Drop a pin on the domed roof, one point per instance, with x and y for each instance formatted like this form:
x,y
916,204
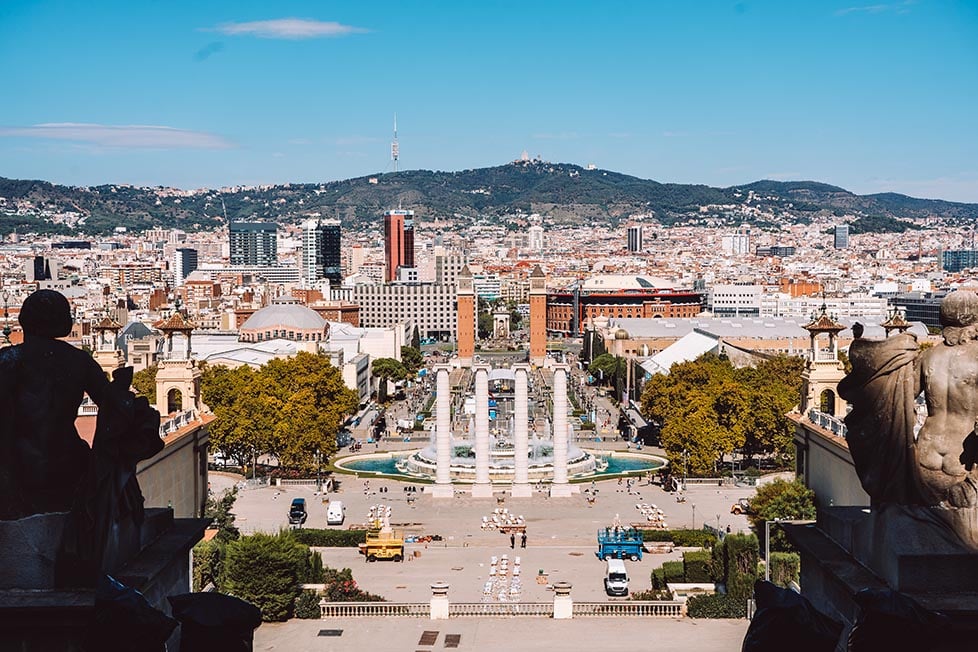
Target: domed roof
x,y
621,334
285,315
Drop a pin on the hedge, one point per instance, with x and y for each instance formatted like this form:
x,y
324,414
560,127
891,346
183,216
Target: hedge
x,y
673,571
785,568
683,538
714,606
741,565
307,606
718,563
697,565
658,579
330,538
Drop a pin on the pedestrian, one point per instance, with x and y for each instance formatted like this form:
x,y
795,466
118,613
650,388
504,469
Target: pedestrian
x,y
512,540
523,540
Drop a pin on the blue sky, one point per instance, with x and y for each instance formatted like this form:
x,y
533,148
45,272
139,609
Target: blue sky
x,y
872,95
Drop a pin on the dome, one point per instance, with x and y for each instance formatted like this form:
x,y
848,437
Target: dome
x,y
284,316
621,334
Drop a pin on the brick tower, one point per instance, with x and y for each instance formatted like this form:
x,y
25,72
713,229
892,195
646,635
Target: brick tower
x,y
538,316
466,317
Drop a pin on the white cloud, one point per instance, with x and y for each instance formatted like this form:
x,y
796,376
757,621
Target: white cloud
x,y
288,28
123,136
897,7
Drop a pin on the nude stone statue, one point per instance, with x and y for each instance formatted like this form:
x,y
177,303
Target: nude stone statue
x,y
42,383
936,467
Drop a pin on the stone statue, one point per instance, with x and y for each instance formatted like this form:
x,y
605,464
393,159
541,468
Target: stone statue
x,y
42,383
936,468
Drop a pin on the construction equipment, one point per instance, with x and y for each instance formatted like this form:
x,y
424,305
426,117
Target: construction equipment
x,y
382,543
620,543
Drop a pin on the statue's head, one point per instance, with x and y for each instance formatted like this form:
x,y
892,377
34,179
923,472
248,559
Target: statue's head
x,y
960,308
46,313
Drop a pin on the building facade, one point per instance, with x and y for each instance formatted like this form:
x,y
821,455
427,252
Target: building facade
x,y
320,257
841,239
398,242
184,262
253,243
429,306
634,242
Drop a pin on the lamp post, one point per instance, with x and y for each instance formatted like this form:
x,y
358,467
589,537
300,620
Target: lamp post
x,y
319,469
694,515
767,548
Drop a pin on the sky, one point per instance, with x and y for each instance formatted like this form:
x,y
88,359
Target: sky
x,y
870,95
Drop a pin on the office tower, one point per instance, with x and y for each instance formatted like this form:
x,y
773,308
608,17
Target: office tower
x,y
40,268
253,243
635,244
842,236
958,260
321,251
356,259
398,242
184,262
535,238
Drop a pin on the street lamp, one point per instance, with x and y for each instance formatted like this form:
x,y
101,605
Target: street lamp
x,y
6,317
767,548
694,515
319,468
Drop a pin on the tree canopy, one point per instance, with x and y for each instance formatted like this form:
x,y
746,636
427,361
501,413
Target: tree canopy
x,y
707,408
387,370
290,408
780,500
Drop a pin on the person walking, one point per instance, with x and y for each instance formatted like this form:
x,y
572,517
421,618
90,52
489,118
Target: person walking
x,y
523,540
512,540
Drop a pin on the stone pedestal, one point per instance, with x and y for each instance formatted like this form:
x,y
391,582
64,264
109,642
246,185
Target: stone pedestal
x,y
439,601
36,616
908,550
563,603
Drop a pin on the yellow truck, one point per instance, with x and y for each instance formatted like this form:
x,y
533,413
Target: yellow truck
x,y
383,543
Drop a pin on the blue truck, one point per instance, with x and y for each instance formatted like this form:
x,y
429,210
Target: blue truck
x,y
620,543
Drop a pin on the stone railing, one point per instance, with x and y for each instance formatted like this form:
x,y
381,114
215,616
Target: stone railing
x,y
500,609
828,422
462,609
177,421
665,609
374,609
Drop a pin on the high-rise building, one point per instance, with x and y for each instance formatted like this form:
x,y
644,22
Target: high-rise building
x,y
355,261
253,243
40,268
184,262
842,236
398,242
635,243
538,316
957,260
737,244
321,251
535,238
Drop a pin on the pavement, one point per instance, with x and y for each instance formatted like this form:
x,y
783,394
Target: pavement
x,y
519,634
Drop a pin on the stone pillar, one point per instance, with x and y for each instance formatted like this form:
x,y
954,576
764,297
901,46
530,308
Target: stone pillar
x,y
521,435
563,603
443,433
483,486
439,601
560,486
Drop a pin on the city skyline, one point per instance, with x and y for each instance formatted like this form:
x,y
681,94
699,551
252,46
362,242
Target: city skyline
x,y
869,97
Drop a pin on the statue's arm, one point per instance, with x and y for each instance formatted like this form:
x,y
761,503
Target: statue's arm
x,y
96,383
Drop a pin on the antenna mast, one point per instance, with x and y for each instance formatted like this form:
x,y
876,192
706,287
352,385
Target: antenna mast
x,y
394,147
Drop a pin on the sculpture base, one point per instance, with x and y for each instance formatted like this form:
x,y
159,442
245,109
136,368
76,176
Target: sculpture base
x,y
561,491
482,491
850,549
521,491
441,491
46,618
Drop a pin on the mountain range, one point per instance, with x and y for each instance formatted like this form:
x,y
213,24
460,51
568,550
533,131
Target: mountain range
x,y
505,194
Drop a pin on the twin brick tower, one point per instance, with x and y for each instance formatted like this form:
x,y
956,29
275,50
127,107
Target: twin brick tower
x,y
467,320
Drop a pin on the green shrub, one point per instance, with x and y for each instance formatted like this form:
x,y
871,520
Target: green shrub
x,y
658,579
651,594
307,606
673,571
330,538
696,565
207,564
718,566
683,538
741,566
341,587
785,568
265,570
713,606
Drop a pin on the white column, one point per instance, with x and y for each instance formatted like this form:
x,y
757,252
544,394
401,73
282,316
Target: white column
x,y
521,435
443,433
560,487
482,487
439,601
563,603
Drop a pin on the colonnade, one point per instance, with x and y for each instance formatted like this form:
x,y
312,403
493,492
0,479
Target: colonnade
x,y
483,487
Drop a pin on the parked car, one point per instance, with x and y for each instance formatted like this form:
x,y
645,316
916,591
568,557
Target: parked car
x,y
742,506
297,512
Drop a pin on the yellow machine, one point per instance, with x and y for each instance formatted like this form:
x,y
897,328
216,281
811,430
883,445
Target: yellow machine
x,y
382,543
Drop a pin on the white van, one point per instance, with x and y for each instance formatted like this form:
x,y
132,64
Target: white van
x,y
335,513
616,578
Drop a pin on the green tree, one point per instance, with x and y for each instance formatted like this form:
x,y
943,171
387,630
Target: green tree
x,y
780,500
218,509
608,368
265,570
144,383
386,370
412,360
